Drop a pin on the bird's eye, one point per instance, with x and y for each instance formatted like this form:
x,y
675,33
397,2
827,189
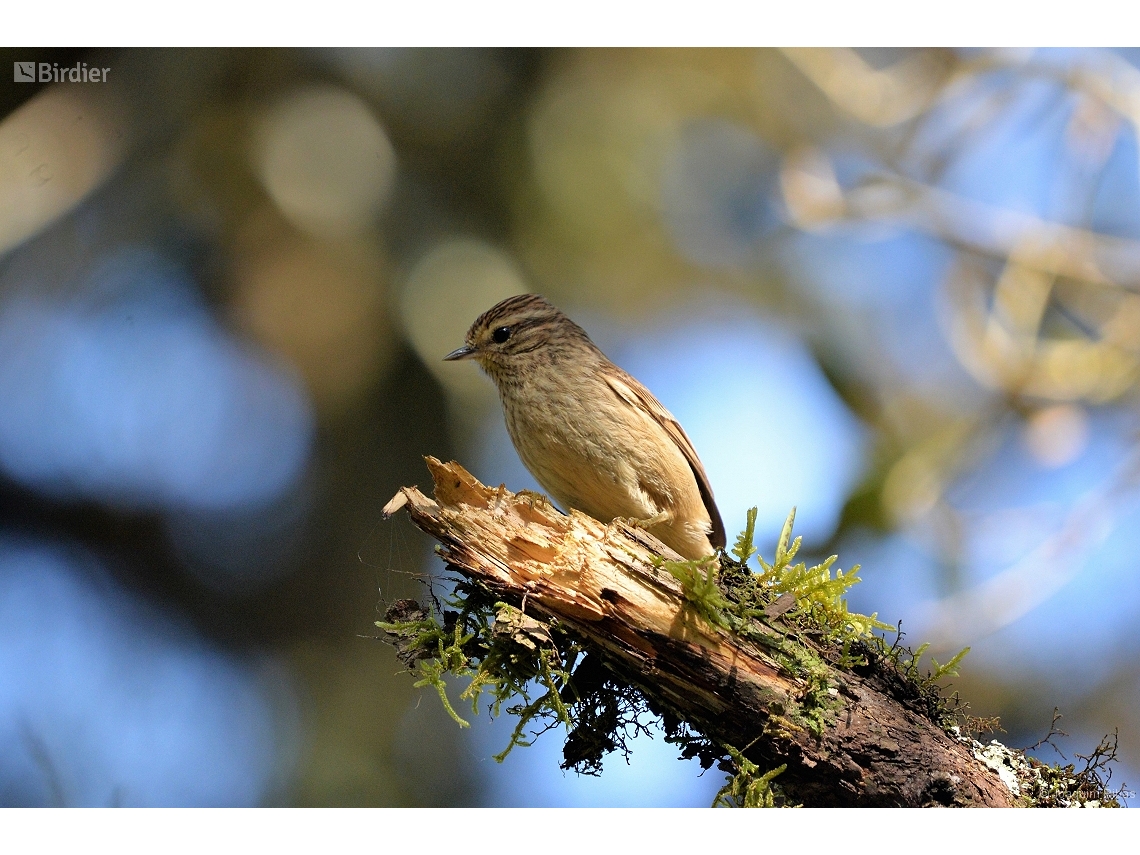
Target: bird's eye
x,y
501,334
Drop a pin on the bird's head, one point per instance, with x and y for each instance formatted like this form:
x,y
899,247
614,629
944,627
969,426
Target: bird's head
x,y
520,331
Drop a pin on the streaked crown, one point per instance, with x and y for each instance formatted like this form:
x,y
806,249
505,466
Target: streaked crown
x,y
521,329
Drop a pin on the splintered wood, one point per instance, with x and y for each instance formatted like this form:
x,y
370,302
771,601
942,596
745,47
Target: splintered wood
x,y
600,582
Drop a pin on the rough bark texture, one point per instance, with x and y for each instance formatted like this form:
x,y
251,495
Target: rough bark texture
x,y
599,582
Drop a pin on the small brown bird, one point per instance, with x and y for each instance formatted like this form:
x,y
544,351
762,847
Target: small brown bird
x,y
593,437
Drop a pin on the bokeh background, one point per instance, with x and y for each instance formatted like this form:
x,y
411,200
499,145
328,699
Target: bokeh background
x,y
897,289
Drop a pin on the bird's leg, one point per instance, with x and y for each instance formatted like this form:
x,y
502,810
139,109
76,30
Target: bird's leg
x,y
656,519
540,499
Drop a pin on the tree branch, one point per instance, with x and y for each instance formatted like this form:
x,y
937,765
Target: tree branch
x,y
604,585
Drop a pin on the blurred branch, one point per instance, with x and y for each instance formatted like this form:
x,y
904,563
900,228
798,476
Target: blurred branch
x,y
887,97
603,585
1001,233
814,200
1020,588
1101,74
879,98
999,340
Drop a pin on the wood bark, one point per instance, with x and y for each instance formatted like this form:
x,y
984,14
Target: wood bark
x,y
600,582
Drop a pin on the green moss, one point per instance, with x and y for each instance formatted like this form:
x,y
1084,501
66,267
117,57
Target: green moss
x,y
813,599
748,787
699,586
502,653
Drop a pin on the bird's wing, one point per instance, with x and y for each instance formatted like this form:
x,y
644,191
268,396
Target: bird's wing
x,y
636,395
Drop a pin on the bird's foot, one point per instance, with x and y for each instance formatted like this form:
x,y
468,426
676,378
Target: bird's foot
x,y
649,522
540,499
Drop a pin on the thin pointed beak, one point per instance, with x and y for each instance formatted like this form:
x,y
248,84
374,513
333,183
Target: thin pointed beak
x,y
465,352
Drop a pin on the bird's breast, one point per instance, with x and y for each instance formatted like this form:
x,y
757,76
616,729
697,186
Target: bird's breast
x,y
592,451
